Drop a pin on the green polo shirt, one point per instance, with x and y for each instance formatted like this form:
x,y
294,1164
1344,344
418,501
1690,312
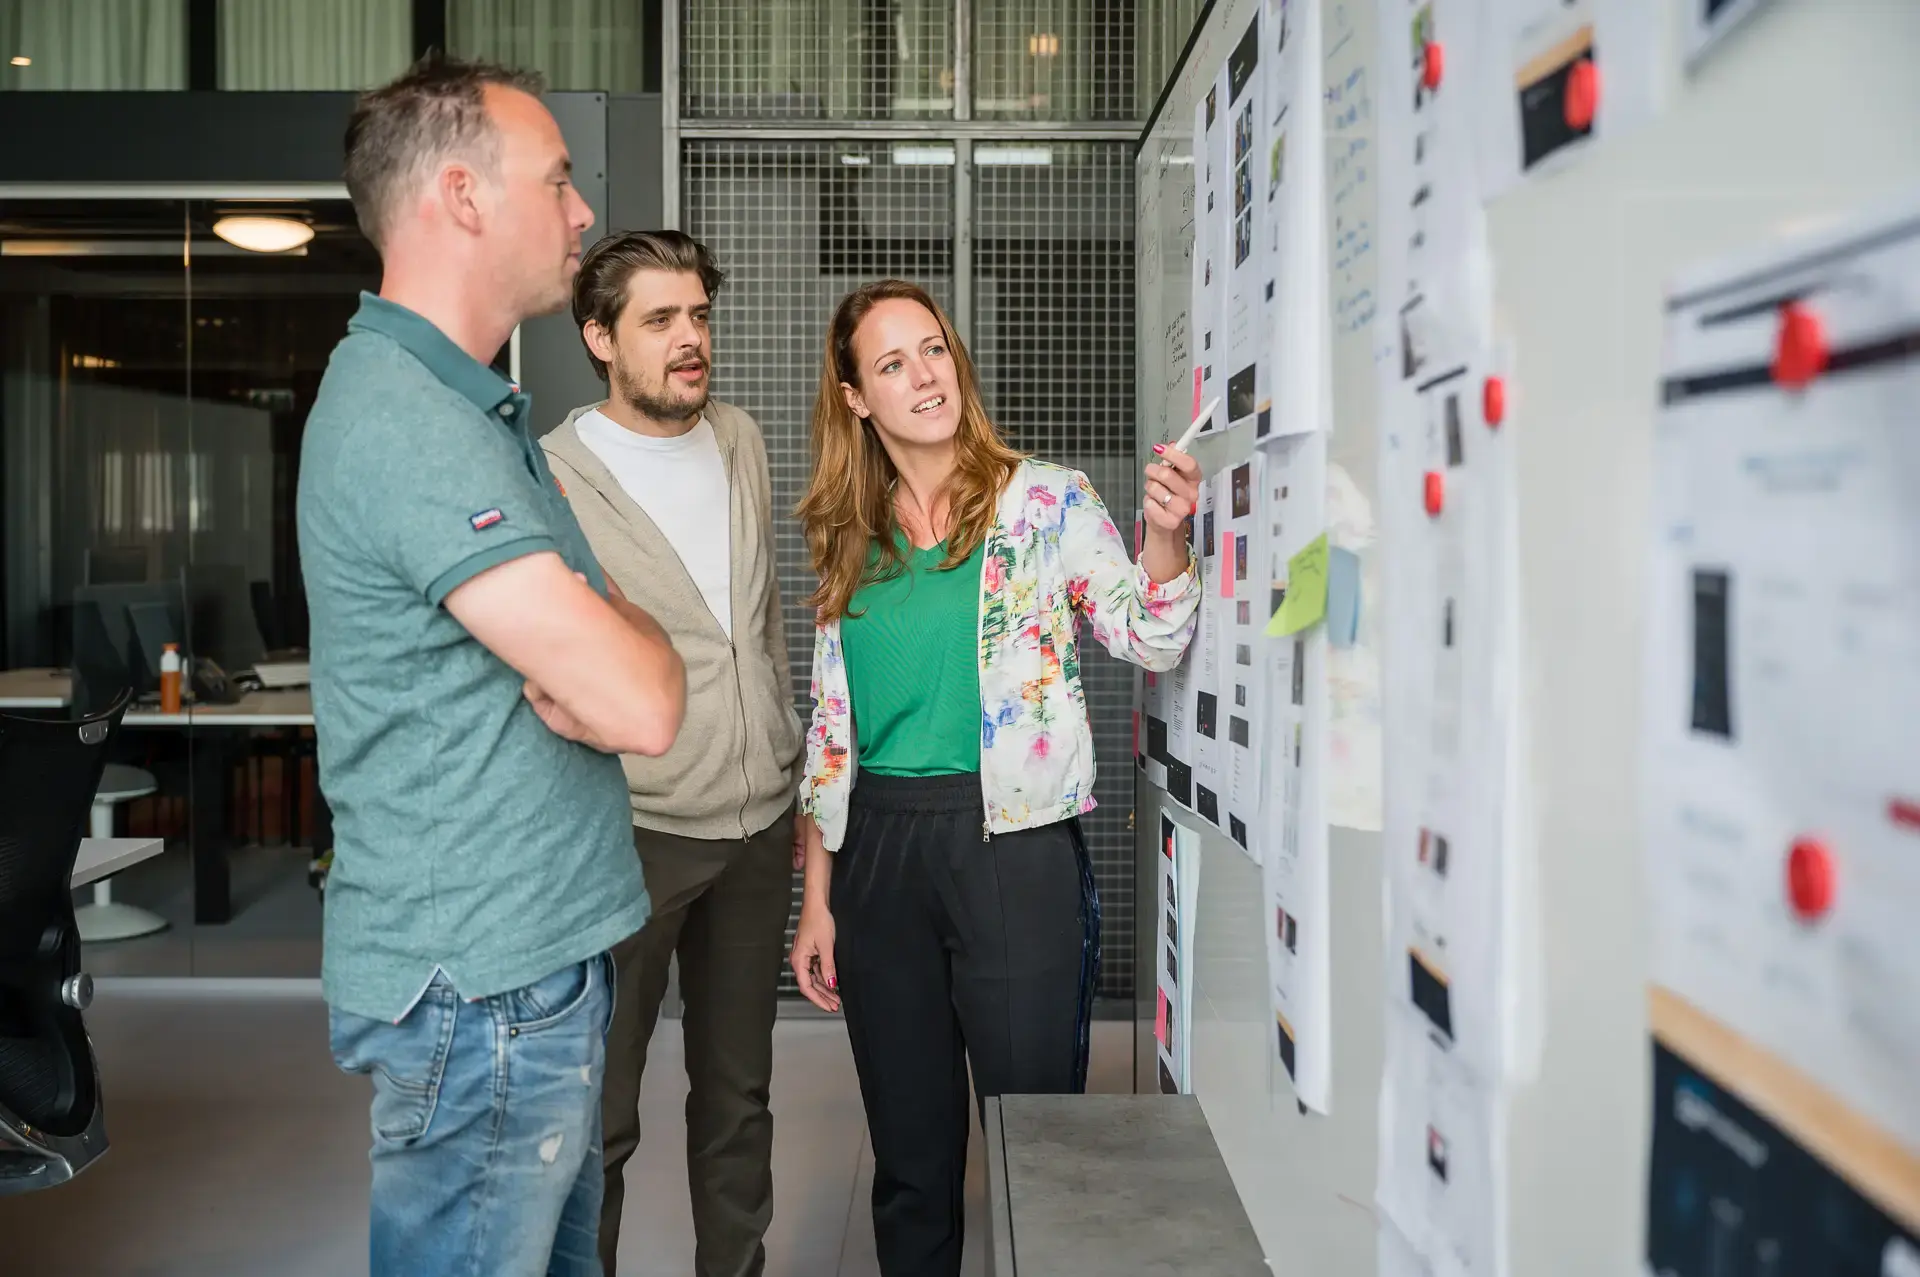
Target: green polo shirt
x,y
468,838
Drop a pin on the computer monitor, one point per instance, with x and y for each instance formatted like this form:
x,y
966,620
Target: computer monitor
x,y
154,626
119,632
100,673
220,608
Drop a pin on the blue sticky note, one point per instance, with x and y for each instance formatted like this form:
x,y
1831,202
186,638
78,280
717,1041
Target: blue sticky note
x,y
1343,597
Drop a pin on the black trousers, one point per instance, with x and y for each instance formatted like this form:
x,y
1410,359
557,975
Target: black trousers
x,y
952,948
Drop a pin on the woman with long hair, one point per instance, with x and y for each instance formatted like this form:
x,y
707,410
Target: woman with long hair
x,y
949,756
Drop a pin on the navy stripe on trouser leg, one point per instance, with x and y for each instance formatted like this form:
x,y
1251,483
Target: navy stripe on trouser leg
x,y
1090,960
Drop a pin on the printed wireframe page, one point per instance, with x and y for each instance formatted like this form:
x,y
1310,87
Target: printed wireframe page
x,y
1781,725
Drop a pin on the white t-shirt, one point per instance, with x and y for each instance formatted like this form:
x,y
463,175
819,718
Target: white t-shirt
x,y
682,485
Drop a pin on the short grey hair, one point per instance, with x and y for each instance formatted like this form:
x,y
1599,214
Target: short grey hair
x,y
402,131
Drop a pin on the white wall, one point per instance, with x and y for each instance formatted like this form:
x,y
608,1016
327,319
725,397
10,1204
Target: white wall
x,y
1810,110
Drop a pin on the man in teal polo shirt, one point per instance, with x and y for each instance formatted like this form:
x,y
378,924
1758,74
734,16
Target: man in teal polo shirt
x,y
474,679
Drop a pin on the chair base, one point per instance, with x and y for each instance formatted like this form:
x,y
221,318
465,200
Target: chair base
x,y
115,921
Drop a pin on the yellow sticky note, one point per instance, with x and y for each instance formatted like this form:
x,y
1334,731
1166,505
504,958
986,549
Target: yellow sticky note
x,y
1306,600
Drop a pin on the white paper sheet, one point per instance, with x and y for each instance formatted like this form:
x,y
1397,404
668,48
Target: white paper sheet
x,y
1202,665
1248,388
1243,617
1449,577
1213,245
1291,178
1293,830
1177,871
1534,51
1168,730
1434,275
1442,1160
1451,659
1187,852
1782,666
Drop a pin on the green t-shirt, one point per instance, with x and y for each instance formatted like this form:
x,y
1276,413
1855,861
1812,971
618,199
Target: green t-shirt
x,y
913,667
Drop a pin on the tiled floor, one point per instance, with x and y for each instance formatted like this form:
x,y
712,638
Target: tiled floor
x,y
239,1151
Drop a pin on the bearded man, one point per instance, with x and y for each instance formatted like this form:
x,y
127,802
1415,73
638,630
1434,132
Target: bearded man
x,y
672,489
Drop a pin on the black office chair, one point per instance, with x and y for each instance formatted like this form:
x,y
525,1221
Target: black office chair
x,y
51,1125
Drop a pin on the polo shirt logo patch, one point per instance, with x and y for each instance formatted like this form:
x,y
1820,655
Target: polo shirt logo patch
x,y
486,519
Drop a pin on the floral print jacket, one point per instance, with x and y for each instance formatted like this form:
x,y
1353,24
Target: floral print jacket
x,y
1051,557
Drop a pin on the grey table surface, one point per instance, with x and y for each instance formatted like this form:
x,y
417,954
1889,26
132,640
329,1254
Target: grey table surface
x,y
1114,1186
103,857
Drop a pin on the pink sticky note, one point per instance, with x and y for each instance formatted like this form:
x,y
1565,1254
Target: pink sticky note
x,y
1226,565
1160,1020
1197,377
1136,733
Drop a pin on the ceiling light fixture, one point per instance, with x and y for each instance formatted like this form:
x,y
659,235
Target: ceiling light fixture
x,y
263,234
21,60
1044,45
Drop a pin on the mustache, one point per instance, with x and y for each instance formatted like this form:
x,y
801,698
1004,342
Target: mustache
x,y
691,361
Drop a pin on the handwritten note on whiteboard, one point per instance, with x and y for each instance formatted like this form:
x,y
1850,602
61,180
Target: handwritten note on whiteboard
x,y
1350,167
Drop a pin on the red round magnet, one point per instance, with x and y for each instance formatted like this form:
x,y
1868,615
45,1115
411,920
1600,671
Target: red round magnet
x,y
1800,349
1436,491
1810,878
1493,400
1582,94
1433,66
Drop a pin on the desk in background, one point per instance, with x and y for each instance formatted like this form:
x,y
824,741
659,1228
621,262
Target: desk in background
x,y
34,689
210,773
104,857
53,689
283,707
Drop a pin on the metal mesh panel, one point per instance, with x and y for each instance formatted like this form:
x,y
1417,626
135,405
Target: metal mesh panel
x,y
817,59
796,225
1075,60
1165,26
1053,267
1062,60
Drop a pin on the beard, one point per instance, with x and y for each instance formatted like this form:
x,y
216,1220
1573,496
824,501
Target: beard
x,y
661,399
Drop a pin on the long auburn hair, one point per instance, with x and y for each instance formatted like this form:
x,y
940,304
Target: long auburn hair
x,y
848,507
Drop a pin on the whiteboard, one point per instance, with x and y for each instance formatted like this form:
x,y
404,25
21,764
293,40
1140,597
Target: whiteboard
x,y
1805,112
1307,1182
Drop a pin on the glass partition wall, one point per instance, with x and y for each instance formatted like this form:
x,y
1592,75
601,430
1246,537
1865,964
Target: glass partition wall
x,y
156,369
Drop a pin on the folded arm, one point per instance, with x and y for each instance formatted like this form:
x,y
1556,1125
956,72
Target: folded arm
x,y
600,671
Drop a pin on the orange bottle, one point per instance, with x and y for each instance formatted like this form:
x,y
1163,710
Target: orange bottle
x,y
170,679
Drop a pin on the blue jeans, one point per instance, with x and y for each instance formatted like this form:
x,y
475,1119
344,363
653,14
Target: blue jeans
x,y
486,1127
